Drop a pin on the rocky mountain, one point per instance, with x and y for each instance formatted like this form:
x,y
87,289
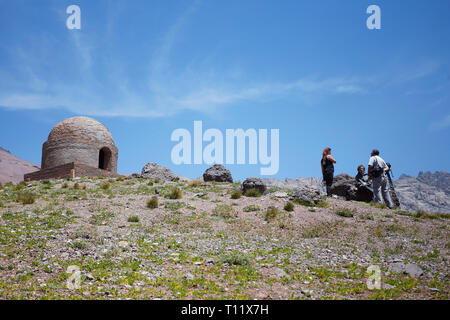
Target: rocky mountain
x,y
290,183
439,179
12,168
429,192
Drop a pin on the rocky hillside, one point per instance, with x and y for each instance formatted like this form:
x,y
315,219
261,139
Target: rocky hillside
x,y
12,168
429,192
149,239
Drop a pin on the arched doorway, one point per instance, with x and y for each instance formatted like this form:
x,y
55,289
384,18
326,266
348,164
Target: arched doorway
x,y
104,159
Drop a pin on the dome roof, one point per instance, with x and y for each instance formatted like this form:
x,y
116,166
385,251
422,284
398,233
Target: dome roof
x,y
81,129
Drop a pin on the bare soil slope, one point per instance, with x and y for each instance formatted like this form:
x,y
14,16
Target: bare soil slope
x,y
207,245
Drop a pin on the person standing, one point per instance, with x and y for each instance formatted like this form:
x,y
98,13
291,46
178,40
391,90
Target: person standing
x,y
377,172
327,164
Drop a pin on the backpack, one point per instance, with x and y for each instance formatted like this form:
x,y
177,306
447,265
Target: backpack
x,y
377,171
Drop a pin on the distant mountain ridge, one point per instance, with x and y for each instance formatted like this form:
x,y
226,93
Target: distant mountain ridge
x,y
12,168
429,192
439,179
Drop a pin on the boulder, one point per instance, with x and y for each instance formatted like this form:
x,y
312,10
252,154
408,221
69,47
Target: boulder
x,y
134,175
308,194
154,171
254,183
217,173
344,185
410,269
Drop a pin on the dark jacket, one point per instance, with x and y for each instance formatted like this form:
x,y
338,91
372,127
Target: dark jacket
x,y
362,179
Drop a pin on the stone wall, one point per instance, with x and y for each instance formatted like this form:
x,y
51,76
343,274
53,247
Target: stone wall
x,y
57,153
69,170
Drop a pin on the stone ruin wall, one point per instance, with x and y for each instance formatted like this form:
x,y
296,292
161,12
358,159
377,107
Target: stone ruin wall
x,y
69,170
56,153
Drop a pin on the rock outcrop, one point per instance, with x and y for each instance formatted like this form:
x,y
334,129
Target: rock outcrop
x,y
307,194
254,183
217,173
154,171
344,186
428,192
439,179
290,183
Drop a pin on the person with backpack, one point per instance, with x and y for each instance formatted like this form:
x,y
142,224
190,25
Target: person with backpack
x,y
327,164
377,172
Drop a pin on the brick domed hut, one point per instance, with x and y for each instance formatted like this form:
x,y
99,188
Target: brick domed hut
x,y
78,146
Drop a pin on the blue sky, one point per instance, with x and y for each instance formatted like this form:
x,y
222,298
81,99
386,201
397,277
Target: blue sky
x,y
308,68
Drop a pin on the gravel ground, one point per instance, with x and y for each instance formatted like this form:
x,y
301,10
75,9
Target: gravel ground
x,y
206,245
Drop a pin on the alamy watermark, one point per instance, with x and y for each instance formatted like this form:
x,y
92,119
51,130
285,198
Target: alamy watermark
x,y
214,150
374,20
74,280
74,20
374,277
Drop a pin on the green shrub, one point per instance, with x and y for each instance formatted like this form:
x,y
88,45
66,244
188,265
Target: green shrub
x,y
150,183
175,194
157,180
252,207
224,211
76,186
133,219
1,204
378,205
65,185
252,193
194,183
320,204
46,182
105,185
423,215
19,186
152,203
235,258
236,194
80,245
289,206
344,212
271,213
26,197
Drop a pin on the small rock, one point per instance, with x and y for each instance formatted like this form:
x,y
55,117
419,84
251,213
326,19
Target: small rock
x,y
413,270
189,276
254,183
388,286
89,276
307,292
123,244
280,194
280,273
410,269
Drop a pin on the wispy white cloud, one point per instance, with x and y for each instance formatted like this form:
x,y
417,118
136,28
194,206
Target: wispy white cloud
x,y
166,91
440,124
